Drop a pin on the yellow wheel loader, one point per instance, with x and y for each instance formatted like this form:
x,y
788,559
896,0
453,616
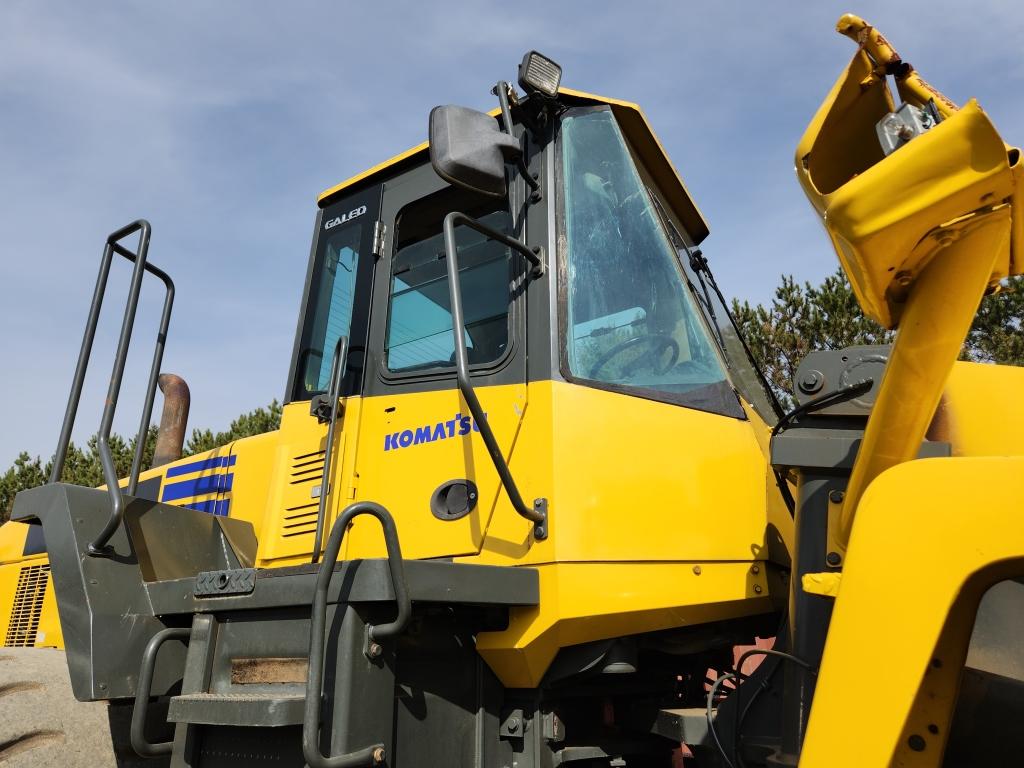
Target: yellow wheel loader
x,y
532,503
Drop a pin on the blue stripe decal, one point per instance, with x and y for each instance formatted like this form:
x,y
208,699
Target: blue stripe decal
x,y
213,507
198,466
220,483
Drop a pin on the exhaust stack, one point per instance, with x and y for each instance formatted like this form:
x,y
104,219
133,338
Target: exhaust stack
x,y
170,437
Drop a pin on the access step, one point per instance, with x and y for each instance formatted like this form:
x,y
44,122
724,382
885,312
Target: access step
x,y
258,710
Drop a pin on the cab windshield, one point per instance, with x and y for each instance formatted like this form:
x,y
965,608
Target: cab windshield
x,y
630,321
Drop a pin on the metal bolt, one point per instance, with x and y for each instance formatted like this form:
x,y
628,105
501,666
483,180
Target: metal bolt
x,y
513,725
755,569
836,497
696,570
374,650
757,589
811,382
378,755
916,743
833,559
904,278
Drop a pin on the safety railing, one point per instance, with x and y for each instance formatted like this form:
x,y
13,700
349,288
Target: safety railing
x,y
138,257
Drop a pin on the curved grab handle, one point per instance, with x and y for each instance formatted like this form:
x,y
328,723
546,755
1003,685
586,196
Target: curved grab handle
x,y
538,513
374,754
338,366
143,692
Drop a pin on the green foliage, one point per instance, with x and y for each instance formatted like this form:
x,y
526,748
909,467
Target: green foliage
x,y
804,318
82,465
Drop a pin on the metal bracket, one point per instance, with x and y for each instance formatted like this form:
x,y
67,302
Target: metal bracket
x,y
540,527
237,581
379,232
537,269
320,407
552,728
513,725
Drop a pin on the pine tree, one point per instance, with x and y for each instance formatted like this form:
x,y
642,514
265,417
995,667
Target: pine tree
x,y
804,318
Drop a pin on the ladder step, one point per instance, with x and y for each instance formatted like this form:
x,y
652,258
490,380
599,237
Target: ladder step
x,y
251,709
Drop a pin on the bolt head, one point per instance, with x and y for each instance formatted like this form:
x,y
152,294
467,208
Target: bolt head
x,y
696,570
379,755
836,497
757,589
374,650
833,559
904,278
811,382
513,725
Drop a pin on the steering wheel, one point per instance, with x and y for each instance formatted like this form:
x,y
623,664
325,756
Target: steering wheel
x,y
658,345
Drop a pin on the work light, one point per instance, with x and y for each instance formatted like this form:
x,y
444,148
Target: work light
x,y
539,74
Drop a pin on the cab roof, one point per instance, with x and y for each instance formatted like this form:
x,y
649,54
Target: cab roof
x,y
637,130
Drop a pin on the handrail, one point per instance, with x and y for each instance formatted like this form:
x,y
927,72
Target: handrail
x,y
375,753
338,365
537,514
99,546
143,690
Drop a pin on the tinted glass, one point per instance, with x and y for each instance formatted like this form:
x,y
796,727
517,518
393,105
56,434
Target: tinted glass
x,y
332,298
419,332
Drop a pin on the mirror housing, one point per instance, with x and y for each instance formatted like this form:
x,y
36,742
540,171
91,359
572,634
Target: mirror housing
x,y
469,150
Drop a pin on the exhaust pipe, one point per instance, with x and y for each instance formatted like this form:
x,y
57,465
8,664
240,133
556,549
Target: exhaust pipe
x,y
170,437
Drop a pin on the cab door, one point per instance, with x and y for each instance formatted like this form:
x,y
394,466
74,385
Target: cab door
x,y
336,303
419,452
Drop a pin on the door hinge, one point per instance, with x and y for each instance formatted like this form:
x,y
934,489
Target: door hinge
x,y
379,231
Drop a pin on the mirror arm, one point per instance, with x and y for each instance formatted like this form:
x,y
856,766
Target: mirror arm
x,y
502,89
537,514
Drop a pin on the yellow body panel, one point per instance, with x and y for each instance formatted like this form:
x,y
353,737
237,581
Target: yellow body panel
x,y
640,493
403,477
979,414
930,537
32,608
586,601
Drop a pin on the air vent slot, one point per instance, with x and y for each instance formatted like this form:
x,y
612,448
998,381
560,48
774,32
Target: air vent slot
x,y
307,468
300,520
27,606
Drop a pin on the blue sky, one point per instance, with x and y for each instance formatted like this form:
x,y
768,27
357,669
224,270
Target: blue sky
x,y
220,122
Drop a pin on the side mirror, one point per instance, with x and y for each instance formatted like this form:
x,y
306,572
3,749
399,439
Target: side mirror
x,y
469,150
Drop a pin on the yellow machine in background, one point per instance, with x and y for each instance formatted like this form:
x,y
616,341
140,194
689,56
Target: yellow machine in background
x,y
30,616
530,488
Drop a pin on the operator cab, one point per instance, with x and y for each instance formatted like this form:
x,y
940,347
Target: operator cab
x,y
575,245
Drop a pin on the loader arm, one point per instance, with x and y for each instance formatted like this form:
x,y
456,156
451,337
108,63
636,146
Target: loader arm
x,y
923,230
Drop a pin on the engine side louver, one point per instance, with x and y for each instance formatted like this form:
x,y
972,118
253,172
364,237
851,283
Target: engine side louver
x,y
27,606
306,477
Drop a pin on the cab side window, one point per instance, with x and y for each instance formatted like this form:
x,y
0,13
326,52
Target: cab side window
x,y
419,329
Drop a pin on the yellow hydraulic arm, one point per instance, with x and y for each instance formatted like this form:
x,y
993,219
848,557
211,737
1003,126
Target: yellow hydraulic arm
x,y
922,233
